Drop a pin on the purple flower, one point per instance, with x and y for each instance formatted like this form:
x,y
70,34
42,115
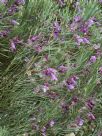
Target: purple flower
x,y
12,46
90,104
13,43
57,26
64,106
44,134
43,130
100,1
4,33
77,19
82,40
19,2
33,38
17,40
51,123
90,22
84,29
93,59
79,121
13,9
90,116
3,1
70,86
75,99
14,22
57,29
62,69
51,72
85,40
85,26
72,82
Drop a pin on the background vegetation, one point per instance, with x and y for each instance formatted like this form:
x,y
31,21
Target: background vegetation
x,y
30,102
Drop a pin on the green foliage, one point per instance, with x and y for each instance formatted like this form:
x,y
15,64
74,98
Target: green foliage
x,y
20,107
3,132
